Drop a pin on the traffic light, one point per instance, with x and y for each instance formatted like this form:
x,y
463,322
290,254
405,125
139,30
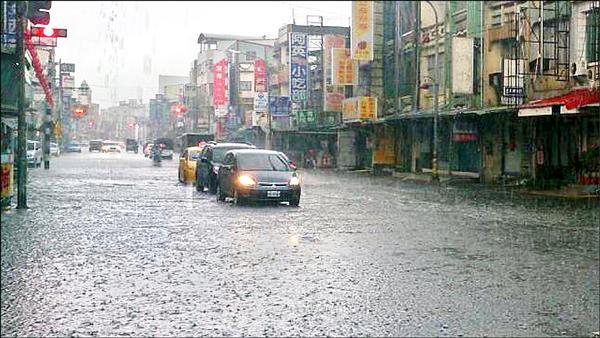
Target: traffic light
x,y
49,32
37,12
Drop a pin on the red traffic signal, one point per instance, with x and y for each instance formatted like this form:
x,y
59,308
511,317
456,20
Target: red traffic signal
x,y
49,32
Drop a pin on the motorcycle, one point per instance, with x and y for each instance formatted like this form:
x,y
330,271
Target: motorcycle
x,y
156,158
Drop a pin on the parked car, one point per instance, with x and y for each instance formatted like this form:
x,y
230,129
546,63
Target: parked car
x,y
34,153
73,147
257,174
187,164
95,145
54,149
208,164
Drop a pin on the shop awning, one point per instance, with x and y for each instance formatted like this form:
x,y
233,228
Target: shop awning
x,y
11,122
576,98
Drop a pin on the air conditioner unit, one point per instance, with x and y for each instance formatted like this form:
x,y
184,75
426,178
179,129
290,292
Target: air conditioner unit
x,y
579,68
593,71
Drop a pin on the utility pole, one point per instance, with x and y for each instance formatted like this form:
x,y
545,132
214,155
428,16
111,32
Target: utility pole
x,y
269,141
21,123
434,160
48,114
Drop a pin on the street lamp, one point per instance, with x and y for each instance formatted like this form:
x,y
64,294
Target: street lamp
x,y
434,163
268,144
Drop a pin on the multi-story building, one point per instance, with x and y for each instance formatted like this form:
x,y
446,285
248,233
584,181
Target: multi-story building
x,y
516,81
224,104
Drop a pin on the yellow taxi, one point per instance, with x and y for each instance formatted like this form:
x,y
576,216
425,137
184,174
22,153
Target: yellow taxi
x,y
187,164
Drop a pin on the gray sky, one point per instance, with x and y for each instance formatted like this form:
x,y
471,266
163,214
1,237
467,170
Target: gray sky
x,y
119,48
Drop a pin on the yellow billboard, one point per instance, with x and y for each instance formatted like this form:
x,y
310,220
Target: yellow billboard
x,y
359,108
362,30
344,69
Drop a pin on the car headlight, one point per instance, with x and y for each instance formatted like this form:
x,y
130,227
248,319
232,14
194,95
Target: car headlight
x,y
294,180
246,181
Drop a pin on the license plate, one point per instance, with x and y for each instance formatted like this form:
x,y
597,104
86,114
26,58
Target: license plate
x,y
273,193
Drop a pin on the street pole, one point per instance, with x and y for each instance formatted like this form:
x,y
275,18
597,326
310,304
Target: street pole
x,y
21,123
48,115
269,143
434,160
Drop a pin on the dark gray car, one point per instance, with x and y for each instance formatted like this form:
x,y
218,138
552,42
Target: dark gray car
x,y
258,175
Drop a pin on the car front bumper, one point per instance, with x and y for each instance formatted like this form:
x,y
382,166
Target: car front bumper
x,y
285,193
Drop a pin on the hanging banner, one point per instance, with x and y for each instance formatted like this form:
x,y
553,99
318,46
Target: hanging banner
x,y
362,30
9,27
260,75
350,109
344,69
220,85
298,67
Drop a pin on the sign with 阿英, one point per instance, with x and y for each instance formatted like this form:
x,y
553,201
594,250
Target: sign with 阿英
x,y
298,67
362,30
261,102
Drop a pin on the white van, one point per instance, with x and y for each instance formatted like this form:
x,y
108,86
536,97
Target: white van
x,y
34,153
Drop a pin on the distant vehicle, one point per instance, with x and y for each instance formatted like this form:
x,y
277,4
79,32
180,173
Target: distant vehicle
x,y
193,139
187,164
73,147
257,174
131,145
166,147
54,149
208,164
95,145
34,153
148,149
111,147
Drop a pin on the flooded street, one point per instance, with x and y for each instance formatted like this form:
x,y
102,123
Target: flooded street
x,y
114,246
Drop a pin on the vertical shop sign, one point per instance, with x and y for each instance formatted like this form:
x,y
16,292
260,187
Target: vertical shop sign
x,y
362,30
298,67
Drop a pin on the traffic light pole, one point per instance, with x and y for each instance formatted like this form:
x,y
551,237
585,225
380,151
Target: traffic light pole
x,y
21,123
48,115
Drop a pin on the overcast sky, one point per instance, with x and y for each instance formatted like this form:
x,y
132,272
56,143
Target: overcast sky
x,y
119,48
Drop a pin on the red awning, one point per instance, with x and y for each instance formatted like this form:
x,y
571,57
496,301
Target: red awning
x,y
576,98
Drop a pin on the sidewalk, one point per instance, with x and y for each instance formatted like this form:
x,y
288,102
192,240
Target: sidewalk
x,y
570,192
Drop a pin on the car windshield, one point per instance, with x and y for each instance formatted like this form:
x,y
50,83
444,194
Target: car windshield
x,y
30,146
219,152
262,162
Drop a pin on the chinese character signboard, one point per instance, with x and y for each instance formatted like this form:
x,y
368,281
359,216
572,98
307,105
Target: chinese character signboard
x,y
67,67
261,101
344,69
367,107
298,67
362,30
220,84
359,108
306,119
9,27
260,75
329,42
280,105
334,96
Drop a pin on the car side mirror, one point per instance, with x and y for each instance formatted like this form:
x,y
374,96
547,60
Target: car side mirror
x,y
293,165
